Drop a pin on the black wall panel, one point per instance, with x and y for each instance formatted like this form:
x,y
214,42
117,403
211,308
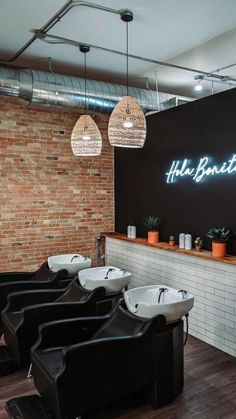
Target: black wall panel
x,y
206,127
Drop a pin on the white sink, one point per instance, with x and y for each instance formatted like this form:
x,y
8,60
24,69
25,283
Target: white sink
x,y
111,278
72,262
143,302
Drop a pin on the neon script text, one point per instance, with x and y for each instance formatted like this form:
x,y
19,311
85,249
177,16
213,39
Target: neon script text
x,y
183,168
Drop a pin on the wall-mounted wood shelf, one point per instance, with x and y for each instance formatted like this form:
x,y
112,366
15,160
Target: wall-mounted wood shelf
x,y
204,254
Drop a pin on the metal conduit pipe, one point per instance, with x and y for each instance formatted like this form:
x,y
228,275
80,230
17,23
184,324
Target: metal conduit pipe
x,y
51,89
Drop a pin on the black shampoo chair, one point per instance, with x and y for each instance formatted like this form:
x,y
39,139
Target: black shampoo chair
x,y
21,318
80,365
22,276
44,278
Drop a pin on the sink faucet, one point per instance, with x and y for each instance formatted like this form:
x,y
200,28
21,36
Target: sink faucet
x,y
74,257
124,271
184,293
162,291
109,270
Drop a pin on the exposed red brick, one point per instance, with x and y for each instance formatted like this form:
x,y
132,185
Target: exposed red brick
x,y
51,201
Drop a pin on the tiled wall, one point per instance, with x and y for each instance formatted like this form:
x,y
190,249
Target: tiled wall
x,y
50,201
213,318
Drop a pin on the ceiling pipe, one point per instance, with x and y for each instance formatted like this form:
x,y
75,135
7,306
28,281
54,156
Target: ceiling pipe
x,y
51,89
57,17
54,39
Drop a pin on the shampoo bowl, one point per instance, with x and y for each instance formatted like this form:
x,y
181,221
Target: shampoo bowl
x,y
111,278
173,304
73,263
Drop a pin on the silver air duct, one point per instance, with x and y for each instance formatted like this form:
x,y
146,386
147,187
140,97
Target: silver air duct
x,y
51,89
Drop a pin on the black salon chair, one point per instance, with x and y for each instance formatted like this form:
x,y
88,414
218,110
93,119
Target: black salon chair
x,y
80,365
21,318
44,278
22,276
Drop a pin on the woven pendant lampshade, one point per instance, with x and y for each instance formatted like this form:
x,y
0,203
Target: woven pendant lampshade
x,y
127,124
86,139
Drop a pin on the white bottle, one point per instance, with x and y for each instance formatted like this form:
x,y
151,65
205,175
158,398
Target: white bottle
x,y
129,231
182,240
133,232
188,241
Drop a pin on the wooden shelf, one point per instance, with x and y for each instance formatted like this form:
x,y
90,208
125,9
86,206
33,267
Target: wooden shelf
x,y
204,254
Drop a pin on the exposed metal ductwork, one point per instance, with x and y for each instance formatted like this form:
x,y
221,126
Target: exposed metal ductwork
x,y
51,89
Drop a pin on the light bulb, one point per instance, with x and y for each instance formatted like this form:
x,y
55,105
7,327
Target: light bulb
x,y
198,87
85,135
127,122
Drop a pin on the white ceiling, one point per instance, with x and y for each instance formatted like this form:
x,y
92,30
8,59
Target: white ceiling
x,y
198,34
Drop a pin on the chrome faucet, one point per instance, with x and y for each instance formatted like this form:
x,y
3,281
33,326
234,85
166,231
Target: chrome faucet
x,y
74,257
184,293
124,271
109,270
162,291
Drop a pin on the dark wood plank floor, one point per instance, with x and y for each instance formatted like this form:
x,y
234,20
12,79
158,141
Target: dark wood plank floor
x,y
209,391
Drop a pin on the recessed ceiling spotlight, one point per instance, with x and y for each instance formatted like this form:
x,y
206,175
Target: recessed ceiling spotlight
x,y
198,87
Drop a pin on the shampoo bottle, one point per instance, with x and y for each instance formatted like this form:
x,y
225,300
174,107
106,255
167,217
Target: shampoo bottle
x,y
133,232
129,227
182,240
188,241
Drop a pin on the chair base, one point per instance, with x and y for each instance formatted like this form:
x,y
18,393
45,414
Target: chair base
x,y
7,364
28,407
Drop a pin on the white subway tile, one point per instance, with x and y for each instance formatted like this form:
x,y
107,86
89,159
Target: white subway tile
x,y
213,318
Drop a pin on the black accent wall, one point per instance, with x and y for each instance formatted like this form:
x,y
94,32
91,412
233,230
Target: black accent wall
x,y
206,127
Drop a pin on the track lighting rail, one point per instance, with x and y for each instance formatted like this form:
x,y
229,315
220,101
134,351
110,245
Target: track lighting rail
x,y
57,18
43,35
54,39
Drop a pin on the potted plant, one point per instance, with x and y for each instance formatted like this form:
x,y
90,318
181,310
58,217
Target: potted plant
x,y
171,241
219,237
198,244
152,223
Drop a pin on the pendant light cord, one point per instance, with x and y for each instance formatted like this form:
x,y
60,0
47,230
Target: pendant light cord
x,y
127,59
85,84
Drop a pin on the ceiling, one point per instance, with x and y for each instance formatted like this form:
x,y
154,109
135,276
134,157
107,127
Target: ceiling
x,y
198,34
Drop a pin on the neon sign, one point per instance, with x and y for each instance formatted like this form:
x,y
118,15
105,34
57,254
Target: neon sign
x,y
199,173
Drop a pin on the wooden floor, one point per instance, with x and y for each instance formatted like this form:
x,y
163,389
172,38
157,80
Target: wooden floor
x,y
209,391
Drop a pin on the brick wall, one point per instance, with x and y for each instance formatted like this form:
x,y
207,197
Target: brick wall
x,y
51,201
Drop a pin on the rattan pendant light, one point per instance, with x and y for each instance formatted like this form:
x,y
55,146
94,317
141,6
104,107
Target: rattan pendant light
x,y
86,139
127,123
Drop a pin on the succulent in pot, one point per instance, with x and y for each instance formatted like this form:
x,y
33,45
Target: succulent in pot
x,y
219,237
152,223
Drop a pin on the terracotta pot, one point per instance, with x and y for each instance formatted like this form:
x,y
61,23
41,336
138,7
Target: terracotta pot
x,y
153,236
171,242
218,250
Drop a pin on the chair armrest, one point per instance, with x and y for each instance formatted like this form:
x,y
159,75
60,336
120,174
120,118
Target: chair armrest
x,y
15,276
68,332
36,315
17,301
6,289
